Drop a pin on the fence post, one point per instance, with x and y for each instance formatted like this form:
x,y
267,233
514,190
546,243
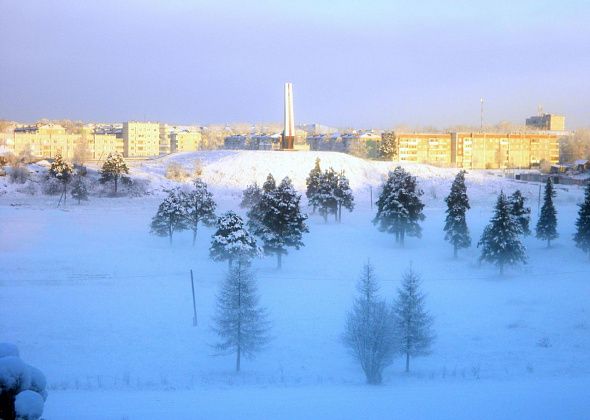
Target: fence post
x,y
194,303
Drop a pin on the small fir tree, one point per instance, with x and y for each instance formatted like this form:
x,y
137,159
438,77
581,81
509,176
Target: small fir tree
x,y
261,207
232,241
412,323
278,220
324,198
343,194
520,212
547,224
369,330
399,208
240,322
113,169
199,207
456,230
500,243
79,189
251,196
171,215
62,171
582,235
313,183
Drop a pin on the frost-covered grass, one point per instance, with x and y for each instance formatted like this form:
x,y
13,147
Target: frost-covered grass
x,y
98,304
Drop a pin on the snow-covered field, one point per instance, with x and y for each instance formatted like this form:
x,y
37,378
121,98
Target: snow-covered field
x,y
105,310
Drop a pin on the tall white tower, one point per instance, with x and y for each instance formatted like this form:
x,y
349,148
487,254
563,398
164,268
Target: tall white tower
x,y
289,129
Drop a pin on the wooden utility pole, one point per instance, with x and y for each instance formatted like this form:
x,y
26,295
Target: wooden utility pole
x,y
194,302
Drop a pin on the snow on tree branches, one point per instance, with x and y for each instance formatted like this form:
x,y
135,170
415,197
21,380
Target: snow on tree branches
x,y
232,241
521,213
113,169
412,323
582,235
500,242
457,232
240,322
61,170
250,196
399,208
547,224
277,219
313,183
171,215
199,206
369,329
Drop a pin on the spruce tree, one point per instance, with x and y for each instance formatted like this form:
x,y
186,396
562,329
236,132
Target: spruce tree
x,y
369,332
278,221
250,196
456,230
324,198
240,322
343,194
520,212
261,206
113,169
313,183
199,207
500,242
547,224
399,208
61,170
79,189
412,323
582,235
171,215
232,241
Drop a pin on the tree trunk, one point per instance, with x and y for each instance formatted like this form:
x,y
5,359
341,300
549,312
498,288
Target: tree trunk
x,y
402,237
65,192
407,362
548,243
194,235
238,354
279,260
501,269
455,251
116,179
230,262
340,213
170,233
326,217
397,236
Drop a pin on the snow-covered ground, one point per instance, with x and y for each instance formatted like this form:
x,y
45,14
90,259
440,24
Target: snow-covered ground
x,y
105,310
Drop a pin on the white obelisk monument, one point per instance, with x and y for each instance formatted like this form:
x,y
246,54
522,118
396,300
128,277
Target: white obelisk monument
x,y
289,129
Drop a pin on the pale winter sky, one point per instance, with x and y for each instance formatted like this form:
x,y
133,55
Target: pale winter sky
x,y
354,63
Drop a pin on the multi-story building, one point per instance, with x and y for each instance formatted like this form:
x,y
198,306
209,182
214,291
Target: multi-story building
x,y
477,150
141,139
165,139
185,140
253,142
550,122
362,144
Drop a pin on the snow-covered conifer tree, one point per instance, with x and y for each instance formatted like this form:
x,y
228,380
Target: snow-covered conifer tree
x,y
240,322
171,215
250,196
260,208
61,170
412,323
324,198
369,334
343,194
399,208
457,232
113,169
388,147
582,235
547,224
79,189
521,213
313,183
199,207
278,221
232,241
500,242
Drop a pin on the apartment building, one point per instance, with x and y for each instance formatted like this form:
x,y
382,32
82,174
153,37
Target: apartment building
x,y
141,139
185,140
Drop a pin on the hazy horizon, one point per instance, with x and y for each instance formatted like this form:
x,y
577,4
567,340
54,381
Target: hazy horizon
x,y
359,64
